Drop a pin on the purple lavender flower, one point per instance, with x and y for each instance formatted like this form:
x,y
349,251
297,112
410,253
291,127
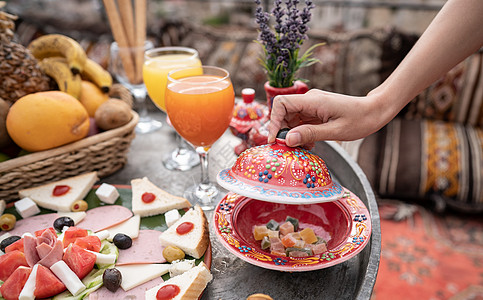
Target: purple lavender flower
x,y
281,56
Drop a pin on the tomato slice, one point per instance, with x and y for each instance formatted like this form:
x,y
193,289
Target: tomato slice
x,y
79,260
10,262
90,242
39,232
12,287
18,245
73,233
47,284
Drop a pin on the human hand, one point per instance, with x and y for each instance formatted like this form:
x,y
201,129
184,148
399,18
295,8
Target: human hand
x,y
318,115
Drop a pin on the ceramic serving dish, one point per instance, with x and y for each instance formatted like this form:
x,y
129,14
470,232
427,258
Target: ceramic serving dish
x,y
345,224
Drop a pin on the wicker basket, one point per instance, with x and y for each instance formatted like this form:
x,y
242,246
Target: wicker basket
x,y
105,152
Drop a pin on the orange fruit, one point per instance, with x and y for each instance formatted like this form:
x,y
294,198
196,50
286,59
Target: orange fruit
x,y
46,120
91,97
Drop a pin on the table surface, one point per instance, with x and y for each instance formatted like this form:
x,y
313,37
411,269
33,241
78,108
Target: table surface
x,y
234,278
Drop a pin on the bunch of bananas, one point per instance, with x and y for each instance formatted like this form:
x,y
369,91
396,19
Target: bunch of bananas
x,y
63,59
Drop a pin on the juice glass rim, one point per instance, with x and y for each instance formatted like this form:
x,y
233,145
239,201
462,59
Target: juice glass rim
x,y
225,77
159,50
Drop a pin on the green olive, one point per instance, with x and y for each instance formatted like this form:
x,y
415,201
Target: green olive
x,y
7,222
79,205
172,253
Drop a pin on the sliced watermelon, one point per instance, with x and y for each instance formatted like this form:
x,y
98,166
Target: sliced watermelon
x,y
10,262
18,245
79,260
71,234
47,284
90,242
12,287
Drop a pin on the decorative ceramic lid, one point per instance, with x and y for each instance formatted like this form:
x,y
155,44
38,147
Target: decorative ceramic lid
x,y
281,174
248,113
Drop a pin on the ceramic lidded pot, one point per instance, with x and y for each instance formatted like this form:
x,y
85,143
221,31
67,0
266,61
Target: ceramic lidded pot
x,y
282,174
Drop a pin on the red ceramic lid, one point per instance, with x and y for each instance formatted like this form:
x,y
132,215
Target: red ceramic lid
x,y
281,174
248,113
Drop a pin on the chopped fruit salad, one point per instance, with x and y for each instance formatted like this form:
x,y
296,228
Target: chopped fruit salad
x,y
288,239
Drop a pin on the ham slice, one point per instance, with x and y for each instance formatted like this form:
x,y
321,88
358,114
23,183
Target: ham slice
x,y
32,224
96,219
134,293
53,256
29,248
145,249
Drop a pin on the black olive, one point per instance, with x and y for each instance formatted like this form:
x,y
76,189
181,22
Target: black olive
x,y
122,241
59,223
112,279
8,241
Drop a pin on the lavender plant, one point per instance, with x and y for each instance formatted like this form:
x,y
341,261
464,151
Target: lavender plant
x,y
281,44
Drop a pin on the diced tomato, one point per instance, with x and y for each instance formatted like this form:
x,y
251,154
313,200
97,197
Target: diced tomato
x,y
71,234
10,262
12,287
39,232
47,284
18,245
79,260
90,242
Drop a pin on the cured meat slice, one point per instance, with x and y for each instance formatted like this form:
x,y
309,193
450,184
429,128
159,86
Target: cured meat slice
x,y
32,224
29,247
103,217
53,256
134,293
145,249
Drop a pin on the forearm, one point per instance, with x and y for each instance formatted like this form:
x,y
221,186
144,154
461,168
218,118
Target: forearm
x,y
454,34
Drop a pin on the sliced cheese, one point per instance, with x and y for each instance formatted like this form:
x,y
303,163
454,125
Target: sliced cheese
x,y
79,185
102,235
28,289
76,216
134,275
68,277
129,227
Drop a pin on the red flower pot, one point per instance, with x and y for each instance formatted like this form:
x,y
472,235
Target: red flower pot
x,y
299,87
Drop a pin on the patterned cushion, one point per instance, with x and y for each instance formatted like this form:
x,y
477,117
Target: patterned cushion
x,y
432,160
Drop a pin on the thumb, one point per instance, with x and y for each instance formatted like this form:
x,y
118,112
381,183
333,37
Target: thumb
x,y
305,135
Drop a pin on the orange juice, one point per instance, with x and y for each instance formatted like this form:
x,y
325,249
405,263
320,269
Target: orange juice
x,y
156,69
200,113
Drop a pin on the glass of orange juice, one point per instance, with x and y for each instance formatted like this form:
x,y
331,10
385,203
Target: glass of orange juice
x,y
199,103
157,63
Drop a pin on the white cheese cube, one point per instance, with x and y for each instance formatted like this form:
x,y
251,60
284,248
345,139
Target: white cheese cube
x,y
107,193
104,259
178,267
171,217
68,277
28,289
26,207
102,235
3,204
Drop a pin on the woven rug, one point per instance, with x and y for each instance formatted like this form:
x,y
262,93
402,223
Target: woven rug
x,y
427,256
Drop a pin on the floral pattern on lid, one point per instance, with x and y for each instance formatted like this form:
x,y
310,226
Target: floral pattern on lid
x,y
278,173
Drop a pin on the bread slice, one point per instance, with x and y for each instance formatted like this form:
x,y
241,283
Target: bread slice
x,y
43,196
164,201
193,243
191,283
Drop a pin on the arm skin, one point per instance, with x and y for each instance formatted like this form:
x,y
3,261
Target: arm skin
x,y
454,34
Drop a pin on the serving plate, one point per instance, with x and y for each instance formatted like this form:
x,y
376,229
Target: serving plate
x,y
345,224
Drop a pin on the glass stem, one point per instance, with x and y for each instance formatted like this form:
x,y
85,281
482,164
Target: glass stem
x,y
140,98
205,178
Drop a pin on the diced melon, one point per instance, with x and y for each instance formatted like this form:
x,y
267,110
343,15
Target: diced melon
x,y
308,235
259,232
286,228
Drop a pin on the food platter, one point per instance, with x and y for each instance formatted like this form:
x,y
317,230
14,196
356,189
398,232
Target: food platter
x,y
153,223
345,224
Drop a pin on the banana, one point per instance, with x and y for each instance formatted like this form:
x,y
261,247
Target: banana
x,y
59,45
58,69
97,74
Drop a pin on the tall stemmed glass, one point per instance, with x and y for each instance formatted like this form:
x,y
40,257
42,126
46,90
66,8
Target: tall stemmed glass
x,y
200,108
134,82
157,63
